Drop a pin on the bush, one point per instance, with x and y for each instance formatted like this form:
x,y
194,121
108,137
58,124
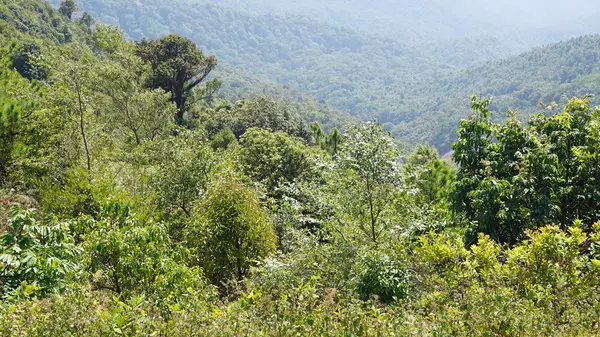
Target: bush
x,y
275,159
37,256
231,231
133,258
383,277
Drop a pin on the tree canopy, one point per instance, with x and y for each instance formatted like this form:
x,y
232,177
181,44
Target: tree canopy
x,y
178,66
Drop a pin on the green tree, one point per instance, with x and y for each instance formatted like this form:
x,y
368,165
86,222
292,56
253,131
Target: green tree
x,y
67,8
17,102
87,20
139,113
333,142
423,155
185,170
178,66
129,257
261,112
513,177
275,159
317,133
231,232
370,154
74,79
23,58
433,177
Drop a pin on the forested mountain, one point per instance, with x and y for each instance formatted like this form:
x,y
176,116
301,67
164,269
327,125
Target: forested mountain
x,y
436,20
547,74
147,190
391,77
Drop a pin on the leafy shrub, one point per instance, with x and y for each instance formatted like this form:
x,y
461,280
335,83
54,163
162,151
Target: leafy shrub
x,y
186,165
231,232
39,256
133,258
275,158
71,195
383,277
223,139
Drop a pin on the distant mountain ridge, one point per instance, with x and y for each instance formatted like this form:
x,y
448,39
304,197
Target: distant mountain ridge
x,y
546,74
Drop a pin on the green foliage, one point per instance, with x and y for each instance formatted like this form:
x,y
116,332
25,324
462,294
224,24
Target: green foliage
x,y
330,143
18,99
131,258
371,160
381,276
513,177
87,20
543,286
433,177
261,112
178,66
23,59
67,8
87,313
275,159
305,231
141,115
36,258
185,172
223,139
73,99
72,195
231,232
418,89
34,20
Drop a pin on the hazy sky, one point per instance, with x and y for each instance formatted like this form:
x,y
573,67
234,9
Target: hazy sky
x,y
508,12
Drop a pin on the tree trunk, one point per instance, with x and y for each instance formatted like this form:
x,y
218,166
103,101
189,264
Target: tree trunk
x,y
179,98
82,129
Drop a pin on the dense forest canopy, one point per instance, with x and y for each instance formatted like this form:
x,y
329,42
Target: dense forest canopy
x,y
368,74
155,185
434,19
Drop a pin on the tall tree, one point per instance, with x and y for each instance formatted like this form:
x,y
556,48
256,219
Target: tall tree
x,y
369,152
333,141
67,8
433,177
17,100
87,20
74,78
178,67
139,113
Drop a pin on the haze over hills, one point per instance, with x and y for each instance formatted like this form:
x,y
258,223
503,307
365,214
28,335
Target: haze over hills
x,y
430,19
553,73
382,59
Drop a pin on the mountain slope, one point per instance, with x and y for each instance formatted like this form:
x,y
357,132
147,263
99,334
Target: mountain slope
x,y
420,93
29,20
427,20
545,74
337,65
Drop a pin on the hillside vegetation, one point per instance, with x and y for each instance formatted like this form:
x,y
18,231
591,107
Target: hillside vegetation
x,y
135,201
417,87
553,73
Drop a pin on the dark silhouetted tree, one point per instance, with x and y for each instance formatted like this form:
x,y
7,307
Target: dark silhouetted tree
x,y
178,67
67,8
